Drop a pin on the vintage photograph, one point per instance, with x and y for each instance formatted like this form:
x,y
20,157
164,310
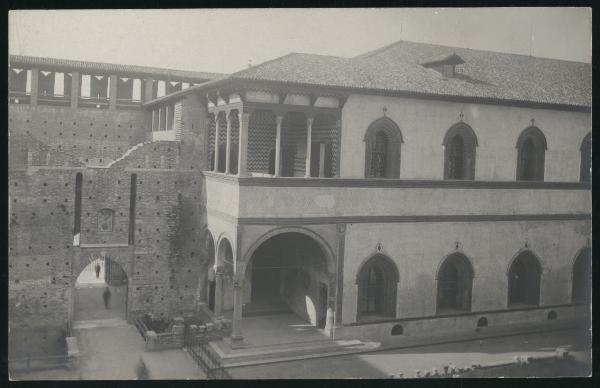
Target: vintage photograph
x,y
375,193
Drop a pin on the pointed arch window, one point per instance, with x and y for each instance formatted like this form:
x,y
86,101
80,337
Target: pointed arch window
x,y
377,283
582,277
455,282
383,140
531,147
460,144
586,159
524,278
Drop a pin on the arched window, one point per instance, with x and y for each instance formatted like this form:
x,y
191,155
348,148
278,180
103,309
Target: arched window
x,y
586,159
460,143
377,284
582,277
382,153
455,281
524,280
531,155
397,330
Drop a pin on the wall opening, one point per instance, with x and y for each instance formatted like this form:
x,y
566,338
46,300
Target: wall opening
x,y
288,272
482,322
377,284
132,203
455,281
524,280
77,217
552,315
397,330
582,277
101,290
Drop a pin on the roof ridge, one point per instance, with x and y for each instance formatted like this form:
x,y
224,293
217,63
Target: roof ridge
x,y
386,47
270,61
16,57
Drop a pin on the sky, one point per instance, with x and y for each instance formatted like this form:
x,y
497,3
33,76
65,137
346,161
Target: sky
x,y
224,41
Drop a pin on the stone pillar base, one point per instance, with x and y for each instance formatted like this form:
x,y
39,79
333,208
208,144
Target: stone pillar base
x,y
237,342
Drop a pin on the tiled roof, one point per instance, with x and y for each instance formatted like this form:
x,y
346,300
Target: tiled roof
x,y
113,68
398,67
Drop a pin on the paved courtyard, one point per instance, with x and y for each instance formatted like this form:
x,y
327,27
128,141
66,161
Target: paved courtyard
x,y
406,361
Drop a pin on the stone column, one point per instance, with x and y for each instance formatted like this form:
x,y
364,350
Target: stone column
x,y
153,120
228,144
216,155
278,147
309,122
75,89
243,143
321,160
236,329
149,83
112,98
218,292
35,77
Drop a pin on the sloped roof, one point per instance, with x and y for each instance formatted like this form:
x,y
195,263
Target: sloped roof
x,y
398,67
112,67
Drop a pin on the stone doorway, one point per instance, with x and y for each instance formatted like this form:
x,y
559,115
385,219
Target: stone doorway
x,y
100,291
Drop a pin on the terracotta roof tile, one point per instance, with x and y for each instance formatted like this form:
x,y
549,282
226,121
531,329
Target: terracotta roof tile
x,y
398,67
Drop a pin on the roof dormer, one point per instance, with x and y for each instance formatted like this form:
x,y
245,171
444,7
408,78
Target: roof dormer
x,y
445,66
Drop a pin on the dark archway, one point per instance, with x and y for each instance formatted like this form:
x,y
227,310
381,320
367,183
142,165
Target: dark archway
x,y
377,287
585,168
206,283
100,291
383,141
524,277
531,147
288,272
582,277
460,145
455,283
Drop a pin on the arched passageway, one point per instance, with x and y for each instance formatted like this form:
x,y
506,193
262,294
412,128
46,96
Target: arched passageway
x,y
206,283
100,291
288,273
582,277
524,280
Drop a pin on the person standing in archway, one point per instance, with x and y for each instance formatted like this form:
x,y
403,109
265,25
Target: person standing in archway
x,y
97,268
106,297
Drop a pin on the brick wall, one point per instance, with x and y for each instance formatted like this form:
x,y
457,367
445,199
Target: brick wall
x,y
163,264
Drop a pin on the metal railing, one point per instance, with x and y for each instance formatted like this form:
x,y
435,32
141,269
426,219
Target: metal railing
x,y
200,350
39,362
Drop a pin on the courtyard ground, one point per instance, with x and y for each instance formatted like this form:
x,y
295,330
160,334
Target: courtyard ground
x,y
407,361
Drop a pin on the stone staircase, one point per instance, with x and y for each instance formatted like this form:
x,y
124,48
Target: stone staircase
x,y
267,354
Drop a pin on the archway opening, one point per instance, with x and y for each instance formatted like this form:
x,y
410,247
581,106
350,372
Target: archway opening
x,y
206,283
582,277
100,291
288,273
524,281
455,282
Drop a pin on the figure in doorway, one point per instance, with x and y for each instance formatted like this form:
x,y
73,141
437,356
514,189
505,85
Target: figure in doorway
x,y
106,297
97,268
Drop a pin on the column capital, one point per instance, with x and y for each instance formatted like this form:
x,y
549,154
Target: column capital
x,y
244,116
309,120
279,120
